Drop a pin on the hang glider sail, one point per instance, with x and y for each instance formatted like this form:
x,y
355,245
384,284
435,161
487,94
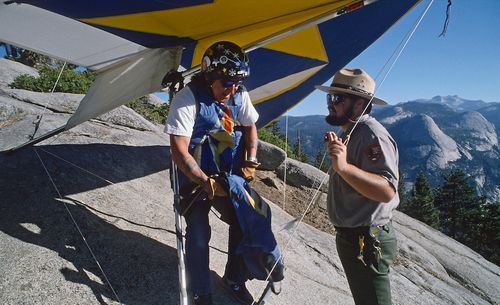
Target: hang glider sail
x,y
293,45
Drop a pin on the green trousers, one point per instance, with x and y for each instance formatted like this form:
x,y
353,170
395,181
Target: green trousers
x,y
368,281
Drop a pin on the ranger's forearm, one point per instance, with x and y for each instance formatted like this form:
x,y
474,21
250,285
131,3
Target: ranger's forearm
x,y
370,185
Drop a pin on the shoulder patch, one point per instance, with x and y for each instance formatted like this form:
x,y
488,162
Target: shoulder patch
x,y
373,152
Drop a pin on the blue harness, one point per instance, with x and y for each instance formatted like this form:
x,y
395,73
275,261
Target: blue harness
x,y
217,135
216,145
258,245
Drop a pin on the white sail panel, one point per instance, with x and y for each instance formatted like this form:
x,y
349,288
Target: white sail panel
x,y
124,81
54,35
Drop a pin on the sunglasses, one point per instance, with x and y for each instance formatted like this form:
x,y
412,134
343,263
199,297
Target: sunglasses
x,y
334,99
230,83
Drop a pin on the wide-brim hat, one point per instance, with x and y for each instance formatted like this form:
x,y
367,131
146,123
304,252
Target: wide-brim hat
x,y
355,82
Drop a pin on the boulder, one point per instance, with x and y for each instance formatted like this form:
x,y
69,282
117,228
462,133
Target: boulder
x,y
302,174
270,156
10,69
53,102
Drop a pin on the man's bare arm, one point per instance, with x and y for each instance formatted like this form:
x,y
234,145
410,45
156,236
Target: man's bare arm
x,y
183,160
251,140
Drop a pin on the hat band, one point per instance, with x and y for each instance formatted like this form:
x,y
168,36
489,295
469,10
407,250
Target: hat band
x,y
352,89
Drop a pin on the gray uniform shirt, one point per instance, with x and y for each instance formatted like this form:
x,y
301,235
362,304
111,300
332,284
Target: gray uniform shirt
x,y
372,149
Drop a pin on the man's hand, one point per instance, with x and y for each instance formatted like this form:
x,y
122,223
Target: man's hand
x,y
337,151
213,188
248,169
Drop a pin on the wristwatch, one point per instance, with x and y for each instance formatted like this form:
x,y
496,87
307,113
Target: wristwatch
x,y
252,159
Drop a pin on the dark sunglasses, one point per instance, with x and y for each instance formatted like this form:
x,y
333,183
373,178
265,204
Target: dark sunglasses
x,y
230,83
334,99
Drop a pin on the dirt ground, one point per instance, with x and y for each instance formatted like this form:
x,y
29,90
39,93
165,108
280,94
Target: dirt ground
x,y
269,186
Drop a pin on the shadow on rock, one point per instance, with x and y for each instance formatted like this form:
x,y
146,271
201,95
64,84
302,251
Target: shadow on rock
x,y
106,162
140,269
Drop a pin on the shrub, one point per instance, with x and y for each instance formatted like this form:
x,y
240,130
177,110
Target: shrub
x,y
269,136
152,113
71,81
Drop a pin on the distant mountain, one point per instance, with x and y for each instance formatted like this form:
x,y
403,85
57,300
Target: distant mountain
x,y
491,112
433,135
455,102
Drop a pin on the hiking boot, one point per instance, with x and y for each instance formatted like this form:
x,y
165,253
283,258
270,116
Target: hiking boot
x,y
239,292
202,299
269,263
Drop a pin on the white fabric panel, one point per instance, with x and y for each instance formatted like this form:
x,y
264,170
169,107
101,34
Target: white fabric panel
x,y
124,81
60,37
283,84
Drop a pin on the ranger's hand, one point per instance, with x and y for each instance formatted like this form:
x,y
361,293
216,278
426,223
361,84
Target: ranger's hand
x,y
213,188
337,151
248,169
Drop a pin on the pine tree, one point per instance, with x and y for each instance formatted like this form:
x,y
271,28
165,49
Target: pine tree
x,y
421,203
298,152
402,192
469,218
320,162
297,145
486,241
481,232
453,198
274,127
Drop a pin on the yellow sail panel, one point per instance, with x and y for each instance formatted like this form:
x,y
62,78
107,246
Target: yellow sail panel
x,y
201,20
278,87
294,44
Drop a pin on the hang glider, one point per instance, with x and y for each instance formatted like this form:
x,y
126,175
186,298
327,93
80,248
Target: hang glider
x,y
292,45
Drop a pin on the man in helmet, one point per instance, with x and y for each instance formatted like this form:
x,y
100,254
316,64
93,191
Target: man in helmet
x,y
362,191
212,129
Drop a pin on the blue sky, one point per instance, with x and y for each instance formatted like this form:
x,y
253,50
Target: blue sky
x,y
466,62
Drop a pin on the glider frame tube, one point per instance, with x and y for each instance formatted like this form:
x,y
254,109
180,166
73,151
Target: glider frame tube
x,y
178,233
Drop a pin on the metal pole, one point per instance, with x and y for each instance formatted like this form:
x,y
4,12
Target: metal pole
x,y
38,139
178,233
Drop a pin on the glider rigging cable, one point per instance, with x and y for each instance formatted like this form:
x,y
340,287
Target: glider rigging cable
x,y
316,192
285,162
78,227
37,123
402,46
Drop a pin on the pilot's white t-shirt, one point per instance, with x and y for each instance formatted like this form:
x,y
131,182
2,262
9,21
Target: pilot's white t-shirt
x,y
182,114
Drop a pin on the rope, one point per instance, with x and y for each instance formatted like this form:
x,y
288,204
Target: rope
x,y
316,180
101,178
297,223
74,165
402,45
285,248
285,163
37,123
78,227
312,201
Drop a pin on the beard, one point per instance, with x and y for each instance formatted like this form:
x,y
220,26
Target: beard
x,y
335,120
